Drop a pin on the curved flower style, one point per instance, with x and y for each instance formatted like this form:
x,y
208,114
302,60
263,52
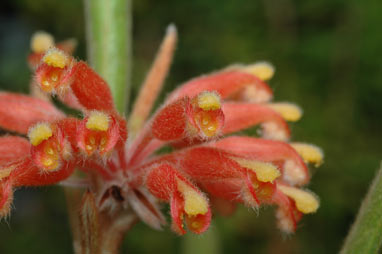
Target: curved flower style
x,y
204,166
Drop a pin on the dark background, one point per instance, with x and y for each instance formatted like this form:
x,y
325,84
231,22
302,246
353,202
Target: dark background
x,y
328,59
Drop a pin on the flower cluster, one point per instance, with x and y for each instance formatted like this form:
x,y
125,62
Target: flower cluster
x,y
206,166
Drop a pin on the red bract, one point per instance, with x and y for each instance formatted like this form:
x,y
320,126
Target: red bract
x,y
126,173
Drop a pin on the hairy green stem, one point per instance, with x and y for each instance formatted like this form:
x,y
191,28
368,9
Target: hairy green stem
x,y
109,44
365,235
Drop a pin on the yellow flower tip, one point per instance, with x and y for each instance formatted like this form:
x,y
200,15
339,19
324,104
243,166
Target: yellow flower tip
x,y
41,42
265,172
290,112
39,133
98,121
194,203
306,202
262,70
56,58
209,101
310,153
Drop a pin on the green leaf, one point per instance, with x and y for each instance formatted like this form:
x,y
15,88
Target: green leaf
x,y
365,235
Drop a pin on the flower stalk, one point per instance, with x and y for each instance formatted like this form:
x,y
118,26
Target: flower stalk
x,y
109,45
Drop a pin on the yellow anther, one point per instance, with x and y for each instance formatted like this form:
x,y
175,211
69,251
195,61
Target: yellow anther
x,y
92,140
207,124
47,162
41,42
206,120
309,153
50,151
209,101
263,70
103,141
89,147
288,111
306,202
56,58
50,163
194,202
39,133
209,127
265,172
196,224
46,83
46,86
54,77
98,121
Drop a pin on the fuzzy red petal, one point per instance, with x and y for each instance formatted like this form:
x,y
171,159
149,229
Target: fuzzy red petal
x,y
91,90
13,148
239,116
225,83
26,173
206,164
18,112
265,150
171,121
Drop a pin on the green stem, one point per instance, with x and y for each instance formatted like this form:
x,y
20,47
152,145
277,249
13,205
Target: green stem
x,y
365,235
109,44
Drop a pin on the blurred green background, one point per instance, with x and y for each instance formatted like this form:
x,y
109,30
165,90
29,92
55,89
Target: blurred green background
x,y
328,59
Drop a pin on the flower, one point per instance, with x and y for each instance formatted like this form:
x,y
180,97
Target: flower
x,y
205,166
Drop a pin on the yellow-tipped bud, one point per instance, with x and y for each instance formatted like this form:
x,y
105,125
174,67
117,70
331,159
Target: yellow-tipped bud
x,y
209,101
310,153
41,42
194,203
306,202
265,172
98,121
263,70
39,133
56,58
290,112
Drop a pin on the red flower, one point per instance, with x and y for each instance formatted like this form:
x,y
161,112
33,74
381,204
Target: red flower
x,y
204,164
